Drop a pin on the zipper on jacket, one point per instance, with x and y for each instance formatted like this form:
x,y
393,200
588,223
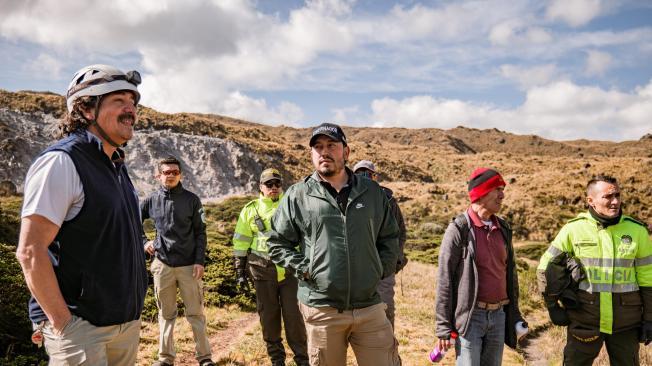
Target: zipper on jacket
x,y
134,265
348,264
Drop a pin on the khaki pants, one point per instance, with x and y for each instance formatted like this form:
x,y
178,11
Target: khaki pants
x,y
367,330
166,281
82,343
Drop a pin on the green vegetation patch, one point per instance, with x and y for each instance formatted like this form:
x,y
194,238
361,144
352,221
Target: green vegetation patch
x,y
15,327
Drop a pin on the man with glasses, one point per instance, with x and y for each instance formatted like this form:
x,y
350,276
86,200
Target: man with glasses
x,y
80,237
366,168
180,251
276,290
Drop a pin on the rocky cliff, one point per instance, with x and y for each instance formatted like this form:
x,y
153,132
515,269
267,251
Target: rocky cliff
x,y
213,167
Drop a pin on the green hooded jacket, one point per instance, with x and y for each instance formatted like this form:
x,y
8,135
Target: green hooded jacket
x,y
343,255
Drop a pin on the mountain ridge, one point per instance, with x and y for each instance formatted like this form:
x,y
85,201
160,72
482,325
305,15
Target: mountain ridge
x,y
426,168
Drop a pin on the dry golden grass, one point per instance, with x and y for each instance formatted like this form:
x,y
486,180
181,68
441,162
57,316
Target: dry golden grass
x,y
237,340
236,337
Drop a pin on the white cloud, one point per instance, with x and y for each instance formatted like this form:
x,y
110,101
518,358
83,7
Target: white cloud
x,y
426,111
538,35
574,12
45,66
241,106
597,63
200,55
349,115
528,77
515,31
560,110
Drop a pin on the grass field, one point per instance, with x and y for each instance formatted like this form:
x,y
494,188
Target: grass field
x,y
236,336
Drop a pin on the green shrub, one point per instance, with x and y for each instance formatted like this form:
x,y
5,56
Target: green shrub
x,y
15,328
10,219
16,347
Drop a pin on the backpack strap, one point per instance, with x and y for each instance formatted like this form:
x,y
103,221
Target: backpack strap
x,y
463,227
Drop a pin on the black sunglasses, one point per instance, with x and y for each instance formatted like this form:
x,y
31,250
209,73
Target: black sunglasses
x,y
273,183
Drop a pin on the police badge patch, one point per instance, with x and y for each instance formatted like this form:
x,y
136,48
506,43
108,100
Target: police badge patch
x,y
626,239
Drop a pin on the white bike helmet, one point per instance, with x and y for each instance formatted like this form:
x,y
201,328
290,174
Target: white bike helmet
x,y
96,80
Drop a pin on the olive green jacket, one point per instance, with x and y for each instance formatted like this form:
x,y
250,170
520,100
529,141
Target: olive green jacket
x,y
341,257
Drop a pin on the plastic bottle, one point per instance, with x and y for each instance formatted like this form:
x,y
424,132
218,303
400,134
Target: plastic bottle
x,y
521,330
437,354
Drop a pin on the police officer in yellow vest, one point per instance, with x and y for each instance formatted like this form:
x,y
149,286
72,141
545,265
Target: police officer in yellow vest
x,y
615,298
276,290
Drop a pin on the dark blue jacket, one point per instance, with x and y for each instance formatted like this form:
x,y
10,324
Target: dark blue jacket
x,y
180,230
98,256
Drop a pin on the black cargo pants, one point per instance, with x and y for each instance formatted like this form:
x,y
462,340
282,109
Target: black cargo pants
x,y
583,346
275,301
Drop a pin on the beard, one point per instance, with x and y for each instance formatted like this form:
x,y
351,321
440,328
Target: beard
x,y
334,168
327,171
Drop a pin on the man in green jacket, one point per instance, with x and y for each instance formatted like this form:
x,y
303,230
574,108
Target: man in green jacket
x,y
276,290
348,241
615,298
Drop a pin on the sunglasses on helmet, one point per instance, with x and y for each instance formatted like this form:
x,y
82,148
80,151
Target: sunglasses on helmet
x,y
132,77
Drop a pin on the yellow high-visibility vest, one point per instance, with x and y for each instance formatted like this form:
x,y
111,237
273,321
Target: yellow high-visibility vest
x,y
616,259
247,235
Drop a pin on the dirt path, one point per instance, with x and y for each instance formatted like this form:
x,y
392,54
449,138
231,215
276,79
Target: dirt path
x,y
223,342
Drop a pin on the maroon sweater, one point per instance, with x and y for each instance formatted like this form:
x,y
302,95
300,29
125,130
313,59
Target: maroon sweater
x,y
491,259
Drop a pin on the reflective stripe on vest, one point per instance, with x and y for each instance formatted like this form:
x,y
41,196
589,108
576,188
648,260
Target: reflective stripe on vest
x,y
241,237
608,287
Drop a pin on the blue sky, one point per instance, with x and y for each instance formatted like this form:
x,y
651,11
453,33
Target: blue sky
x,y
562,69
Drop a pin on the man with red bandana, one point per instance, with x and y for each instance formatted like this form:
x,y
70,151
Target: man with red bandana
x,y
477,286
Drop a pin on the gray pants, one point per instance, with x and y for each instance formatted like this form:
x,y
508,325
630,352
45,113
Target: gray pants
x,y
386,291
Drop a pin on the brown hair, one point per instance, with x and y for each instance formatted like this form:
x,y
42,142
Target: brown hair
x,y
74,121
600,178
169,160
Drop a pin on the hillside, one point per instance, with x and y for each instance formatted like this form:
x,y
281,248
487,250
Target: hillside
x,y
427,168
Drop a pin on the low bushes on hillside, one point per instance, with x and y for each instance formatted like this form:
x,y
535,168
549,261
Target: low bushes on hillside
x,y
15,328
16,347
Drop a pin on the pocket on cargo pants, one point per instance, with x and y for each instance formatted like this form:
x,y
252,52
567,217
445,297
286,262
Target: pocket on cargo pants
x,y
582,345
372,338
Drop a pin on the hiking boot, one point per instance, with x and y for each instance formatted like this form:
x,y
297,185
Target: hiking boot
x,y
162,363
206,362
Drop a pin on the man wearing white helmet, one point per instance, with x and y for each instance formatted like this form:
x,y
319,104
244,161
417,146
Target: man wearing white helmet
x,y
80,241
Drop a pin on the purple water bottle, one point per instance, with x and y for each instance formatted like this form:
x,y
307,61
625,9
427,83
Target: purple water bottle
x,y
438,354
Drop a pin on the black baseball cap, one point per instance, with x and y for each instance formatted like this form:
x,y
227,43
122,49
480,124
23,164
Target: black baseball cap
x,y
328,129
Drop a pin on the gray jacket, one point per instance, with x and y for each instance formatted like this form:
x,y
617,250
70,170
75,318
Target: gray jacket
x,y
457,279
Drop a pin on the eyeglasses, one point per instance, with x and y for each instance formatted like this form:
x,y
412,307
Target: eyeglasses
x,y
273,183
168,173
